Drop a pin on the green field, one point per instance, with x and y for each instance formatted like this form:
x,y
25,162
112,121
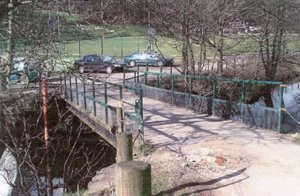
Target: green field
x,y
115,46
122,46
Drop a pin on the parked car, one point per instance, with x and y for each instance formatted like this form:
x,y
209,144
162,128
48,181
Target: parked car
x,y
98,63
24,70
148,57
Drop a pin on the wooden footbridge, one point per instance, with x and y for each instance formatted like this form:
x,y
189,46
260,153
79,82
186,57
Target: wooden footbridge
x,y
104,106
111,106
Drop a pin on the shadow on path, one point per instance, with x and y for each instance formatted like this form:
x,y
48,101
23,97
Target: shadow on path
x,y
207,183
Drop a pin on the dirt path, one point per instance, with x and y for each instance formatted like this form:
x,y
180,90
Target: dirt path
x,y
193,154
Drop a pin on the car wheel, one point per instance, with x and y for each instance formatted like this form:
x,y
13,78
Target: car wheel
x,y
159,63
132,63
109,70
81,69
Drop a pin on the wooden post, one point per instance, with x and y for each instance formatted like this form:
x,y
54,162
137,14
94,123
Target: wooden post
x,y
124,147
44,94
46,137
133,179
120,119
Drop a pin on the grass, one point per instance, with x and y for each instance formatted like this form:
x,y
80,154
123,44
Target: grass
x,y
121,46
124,40
118,46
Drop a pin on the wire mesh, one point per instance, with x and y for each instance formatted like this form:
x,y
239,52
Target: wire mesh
x,y
290,123
185,91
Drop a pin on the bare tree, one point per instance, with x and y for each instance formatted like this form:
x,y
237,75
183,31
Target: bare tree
x,y
71,155
220,14
276,19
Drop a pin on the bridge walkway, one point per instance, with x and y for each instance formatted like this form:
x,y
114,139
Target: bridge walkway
x,y
212,154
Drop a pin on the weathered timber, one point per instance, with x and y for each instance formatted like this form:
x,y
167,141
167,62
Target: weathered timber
x,y
124,147
120,119
105,131
133,178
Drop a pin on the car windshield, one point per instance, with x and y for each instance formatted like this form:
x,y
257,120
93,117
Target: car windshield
x,y
109,59
89,58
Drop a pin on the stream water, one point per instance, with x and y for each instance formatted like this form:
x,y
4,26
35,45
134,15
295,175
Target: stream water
x,y
291,99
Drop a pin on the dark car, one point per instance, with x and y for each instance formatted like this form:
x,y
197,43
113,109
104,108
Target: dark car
x,y
98,63
148,57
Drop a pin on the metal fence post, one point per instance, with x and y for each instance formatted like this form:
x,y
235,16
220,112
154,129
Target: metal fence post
x,y
157,80
172,88
124,76
65,79
71,93
94,98
141,95
191,90
138,73
76,86
106,102
243,99
214,96
121,92
145,77
160,70
84,94
60,83
281,108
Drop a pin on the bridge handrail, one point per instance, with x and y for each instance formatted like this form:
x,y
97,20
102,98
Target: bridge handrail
x,y
213,78
137,116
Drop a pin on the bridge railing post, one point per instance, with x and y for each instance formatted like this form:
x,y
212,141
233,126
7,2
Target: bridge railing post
x,y
214,96
121,92
76,87
94,97
71,92
84,94
243,100
145,77
191,90
141,96
60,84
172,88
281,108
138,73
106,102
124,76
65,81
